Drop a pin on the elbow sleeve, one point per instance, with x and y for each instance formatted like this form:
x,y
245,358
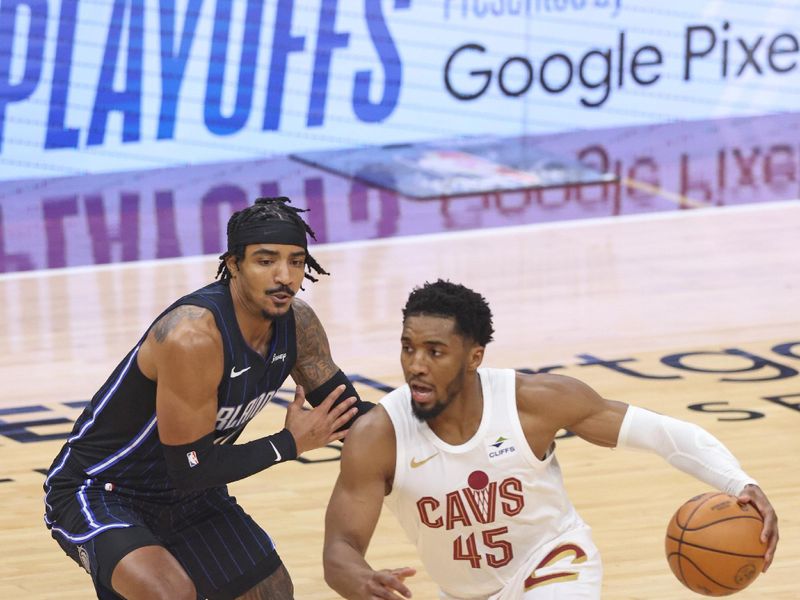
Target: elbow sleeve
x,y
685,446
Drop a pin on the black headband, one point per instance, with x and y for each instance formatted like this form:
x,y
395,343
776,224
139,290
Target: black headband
x,y
273,231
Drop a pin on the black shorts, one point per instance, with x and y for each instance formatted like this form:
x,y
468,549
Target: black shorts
x,y
223,550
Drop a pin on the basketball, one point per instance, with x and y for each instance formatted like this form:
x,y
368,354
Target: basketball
x,y
713,545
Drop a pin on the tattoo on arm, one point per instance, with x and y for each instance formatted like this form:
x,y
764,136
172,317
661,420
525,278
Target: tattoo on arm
x,y
314,364
168,322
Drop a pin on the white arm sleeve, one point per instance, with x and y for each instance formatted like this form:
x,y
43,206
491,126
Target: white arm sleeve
x,y
685,446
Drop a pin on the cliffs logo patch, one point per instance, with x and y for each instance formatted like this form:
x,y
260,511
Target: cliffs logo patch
x,y
500,447
500,441
83,555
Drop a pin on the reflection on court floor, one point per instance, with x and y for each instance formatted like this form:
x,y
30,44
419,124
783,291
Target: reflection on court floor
x,y
167,213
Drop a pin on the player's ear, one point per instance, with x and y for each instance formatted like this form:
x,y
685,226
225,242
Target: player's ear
x,y
232,262
475,357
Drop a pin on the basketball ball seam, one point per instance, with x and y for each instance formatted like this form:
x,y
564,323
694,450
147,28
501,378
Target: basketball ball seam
x,y
717,550
695,509
722,520
683,531
706,575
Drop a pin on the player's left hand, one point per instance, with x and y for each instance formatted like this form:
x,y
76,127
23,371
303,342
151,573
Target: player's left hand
x,y
752,494
387,583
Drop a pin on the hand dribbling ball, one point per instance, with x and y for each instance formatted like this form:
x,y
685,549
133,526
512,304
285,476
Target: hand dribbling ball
x,y
713,544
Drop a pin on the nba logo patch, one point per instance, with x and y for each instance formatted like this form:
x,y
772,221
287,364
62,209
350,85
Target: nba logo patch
x,y
192,458
83,555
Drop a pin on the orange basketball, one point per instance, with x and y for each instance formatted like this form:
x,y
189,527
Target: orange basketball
x,y
713,544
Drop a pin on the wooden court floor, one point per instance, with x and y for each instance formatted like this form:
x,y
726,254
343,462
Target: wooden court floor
x,y
694,314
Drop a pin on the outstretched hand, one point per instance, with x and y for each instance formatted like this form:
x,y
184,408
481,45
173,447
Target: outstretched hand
x,y
317,427
752,494
386,583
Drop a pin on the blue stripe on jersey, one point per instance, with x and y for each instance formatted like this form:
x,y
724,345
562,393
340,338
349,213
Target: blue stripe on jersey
x,y
81,494
106,398
77,539
246,375
123,452
199,561
150,453
242,545
95,528
218,310
285,345
52,473
221,320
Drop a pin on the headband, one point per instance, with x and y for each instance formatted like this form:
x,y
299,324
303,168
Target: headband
x,y
273,231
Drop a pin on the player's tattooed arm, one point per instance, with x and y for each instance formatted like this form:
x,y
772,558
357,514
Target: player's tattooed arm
x,y
179,325
314,364
170,320
183,353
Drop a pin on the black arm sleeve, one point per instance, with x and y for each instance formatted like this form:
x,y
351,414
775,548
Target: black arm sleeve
x,y
315,397
204,464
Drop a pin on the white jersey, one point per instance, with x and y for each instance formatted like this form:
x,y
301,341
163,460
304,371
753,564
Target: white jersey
x,y
477,511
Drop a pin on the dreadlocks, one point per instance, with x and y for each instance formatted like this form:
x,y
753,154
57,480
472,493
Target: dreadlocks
x,y
442,298
266,209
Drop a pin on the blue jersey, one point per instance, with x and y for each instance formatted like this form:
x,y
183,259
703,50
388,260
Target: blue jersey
x,y
115,440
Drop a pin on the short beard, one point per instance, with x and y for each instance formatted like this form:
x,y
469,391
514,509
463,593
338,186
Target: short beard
x,y
268,316
453,389
426,415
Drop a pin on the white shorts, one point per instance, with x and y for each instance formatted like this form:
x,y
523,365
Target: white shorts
x,y
566,568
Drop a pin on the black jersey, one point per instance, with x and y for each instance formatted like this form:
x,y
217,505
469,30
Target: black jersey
x,y
115,440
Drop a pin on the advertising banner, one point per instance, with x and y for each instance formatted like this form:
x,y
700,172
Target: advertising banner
x,y
93,86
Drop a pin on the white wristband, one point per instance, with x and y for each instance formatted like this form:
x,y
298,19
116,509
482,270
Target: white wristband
x,y
685,446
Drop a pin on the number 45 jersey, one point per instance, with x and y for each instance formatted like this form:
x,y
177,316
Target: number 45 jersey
x,y
478,511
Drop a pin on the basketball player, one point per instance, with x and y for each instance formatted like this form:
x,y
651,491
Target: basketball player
x,y
464,458
138,496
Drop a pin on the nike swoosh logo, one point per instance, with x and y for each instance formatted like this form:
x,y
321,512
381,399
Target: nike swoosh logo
x,y
235,373
277,454
415,463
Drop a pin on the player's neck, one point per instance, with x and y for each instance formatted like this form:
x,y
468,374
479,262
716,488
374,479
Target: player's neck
x,y
462,418
256,330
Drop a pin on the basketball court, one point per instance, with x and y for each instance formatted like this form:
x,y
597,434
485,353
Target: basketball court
x,y
691,312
